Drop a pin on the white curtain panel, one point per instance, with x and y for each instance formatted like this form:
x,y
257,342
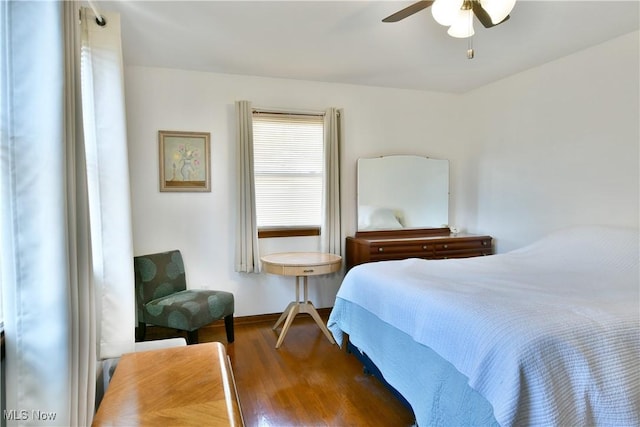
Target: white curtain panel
x,y
330,235
247,259
45,268
108,176
58,192
82,329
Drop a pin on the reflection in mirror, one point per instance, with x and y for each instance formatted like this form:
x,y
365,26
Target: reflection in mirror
x,y
402,191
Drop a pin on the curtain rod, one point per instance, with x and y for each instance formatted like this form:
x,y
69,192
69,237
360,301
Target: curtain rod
x,y
287,113
99,18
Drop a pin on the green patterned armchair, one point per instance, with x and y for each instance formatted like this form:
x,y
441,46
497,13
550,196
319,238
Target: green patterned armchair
x,y
162,298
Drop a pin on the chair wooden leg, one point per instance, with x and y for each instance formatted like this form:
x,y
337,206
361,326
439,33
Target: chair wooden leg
x,y
141,331
228,326
192,337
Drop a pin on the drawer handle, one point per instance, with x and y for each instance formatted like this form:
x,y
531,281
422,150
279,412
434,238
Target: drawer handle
x,y
380,249
308,271
424,247
445,246
484,243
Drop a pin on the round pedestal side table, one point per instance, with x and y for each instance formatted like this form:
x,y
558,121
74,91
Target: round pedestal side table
x,y
301,265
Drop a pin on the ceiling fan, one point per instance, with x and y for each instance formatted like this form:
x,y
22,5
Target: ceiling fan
x,y
458,14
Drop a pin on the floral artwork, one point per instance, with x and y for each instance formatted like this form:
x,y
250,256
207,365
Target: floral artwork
x,y
184,161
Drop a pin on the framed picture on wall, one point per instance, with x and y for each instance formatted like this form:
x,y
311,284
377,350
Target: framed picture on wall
x,y
184,161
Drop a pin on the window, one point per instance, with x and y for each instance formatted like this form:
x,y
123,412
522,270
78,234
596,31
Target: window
x,y
288,169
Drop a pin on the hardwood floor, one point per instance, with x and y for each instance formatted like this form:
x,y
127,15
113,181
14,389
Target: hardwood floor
x,y
306,382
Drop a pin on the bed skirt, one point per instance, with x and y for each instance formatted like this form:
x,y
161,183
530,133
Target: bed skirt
x,y
438,393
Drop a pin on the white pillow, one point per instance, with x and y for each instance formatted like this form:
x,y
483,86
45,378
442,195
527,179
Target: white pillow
x,y
371,217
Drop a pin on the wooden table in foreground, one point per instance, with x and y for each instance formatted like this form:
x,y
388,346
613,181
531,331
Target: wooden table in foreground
x,y
186,386
301,265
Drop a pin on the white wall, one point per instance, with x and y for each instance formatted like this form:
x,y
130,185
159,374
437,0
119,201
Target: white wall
x,y
554,146
376,121
558,145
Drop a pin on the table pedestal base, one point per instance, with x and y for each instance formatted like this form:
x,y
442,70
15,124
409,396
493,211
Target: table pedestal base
x,y
297,306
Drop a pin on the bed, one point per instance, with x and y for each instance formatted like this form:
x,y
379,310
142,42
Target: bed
x,y
548,334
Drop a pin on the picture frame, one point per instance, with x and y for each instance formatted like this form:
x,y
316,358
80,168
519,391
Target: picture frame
x,y
184,161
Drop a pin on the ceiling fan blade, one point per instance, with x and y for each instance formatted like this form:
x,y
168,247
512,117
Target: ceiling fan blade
x,y
483,16
408,11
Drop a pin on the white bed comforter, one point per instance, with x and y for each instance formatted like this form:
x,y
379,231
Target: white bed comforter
x,y
548,334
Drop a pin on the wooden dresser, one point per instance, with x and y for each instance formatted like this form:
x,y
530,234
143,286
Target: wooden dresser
x,y
427,243
186,386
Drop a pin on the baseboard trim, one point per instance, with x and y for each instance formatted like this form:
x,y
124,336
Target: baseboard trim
x,y
260,318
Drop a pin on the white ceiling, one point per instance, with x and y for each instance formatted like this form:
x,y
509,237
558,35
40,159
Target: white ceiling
x,y
346,42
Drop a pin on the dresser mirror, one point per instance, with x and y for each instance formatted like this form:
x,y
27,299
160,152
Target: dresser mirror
x,y
402,192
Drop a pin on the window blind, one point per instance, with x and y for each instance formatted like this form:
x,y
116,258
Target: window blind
x,y
288,168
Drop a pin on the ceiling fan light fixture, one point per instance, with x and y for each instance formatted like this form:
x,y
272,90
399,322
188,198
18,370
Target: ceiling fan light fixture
x,y
462,26
445,12
498,9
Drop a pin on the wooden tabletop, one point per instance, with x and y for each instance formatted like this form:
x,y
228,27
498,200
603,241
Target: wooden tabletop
x,y
187,386
301,263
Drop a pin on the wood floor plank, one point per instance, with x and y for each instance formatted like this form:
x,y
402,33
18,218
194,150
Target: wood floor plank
x,y
306,382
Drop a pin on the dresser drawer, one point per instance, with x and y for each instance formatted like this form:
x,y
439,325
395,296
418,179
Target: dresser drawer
x,y
455,245
386,249
463,248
